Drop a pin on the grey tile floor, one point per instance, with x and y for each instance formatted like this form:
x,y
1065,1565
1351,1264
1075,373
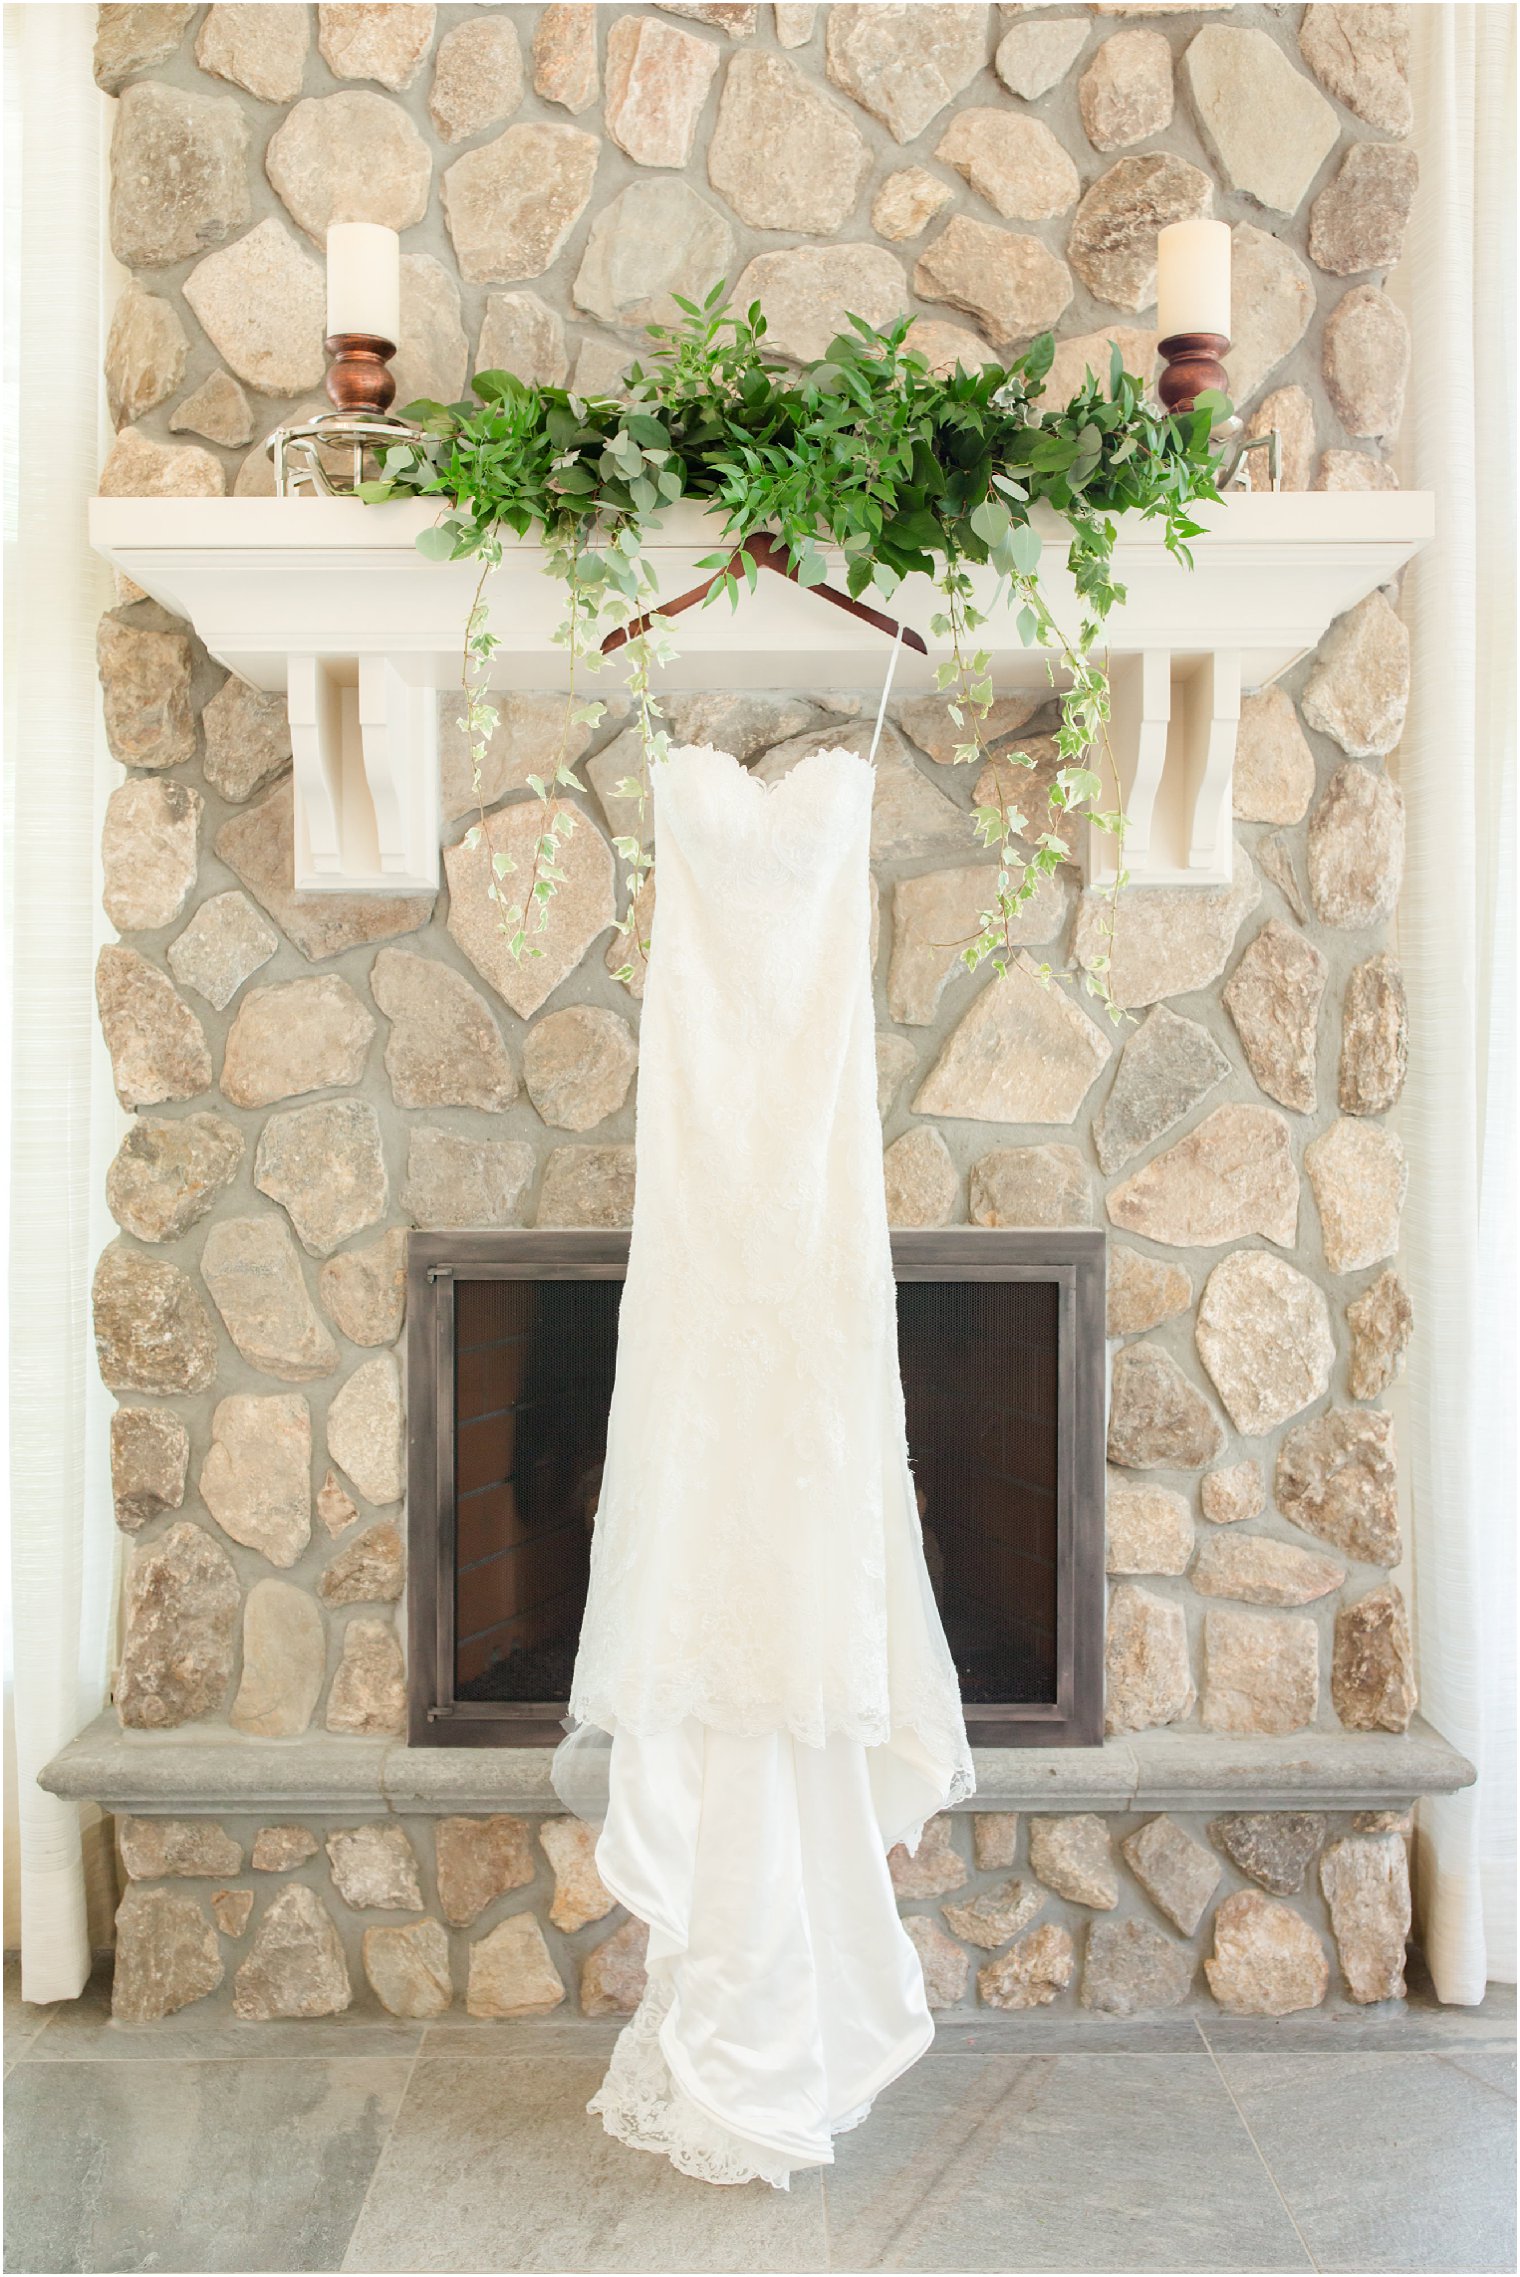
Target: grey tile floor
x,y
1334,2142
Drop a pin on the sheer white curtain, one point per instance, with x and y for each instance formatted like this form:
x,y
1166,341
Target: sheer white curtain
x,y
1457,937
61,1116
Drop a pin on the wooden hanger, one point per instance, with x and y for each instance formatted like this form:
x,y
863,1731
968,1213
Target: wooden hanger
x,y
766,554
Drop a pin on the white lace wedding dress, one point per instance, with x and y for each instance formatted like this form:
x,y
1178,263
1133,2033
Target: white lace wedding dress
x,y
763,1681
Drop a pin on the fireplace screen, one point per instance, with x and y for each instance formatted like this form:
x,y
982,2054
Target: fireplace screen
x,y
513,1343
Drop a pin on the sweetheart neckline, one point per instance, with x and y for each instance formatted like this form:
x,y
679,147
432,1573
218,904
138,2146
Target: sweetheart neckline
x,y
757,783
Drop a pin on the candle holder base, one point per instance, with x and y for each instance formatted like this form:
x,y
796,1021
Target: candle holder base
x,y
1192,367
326,457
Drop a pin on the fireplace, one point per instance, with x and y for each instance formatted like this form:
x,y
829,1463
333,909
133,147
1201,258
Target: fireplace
x,y
512,1341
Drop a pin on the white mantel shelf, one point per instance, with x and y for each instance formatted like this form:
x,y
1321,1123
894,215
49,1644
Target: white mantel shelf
x,y
329,601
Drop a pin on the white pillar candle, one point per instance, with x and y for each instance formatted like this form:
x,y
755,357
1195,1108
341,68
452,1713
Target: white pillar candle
x,y
1193,278
364,280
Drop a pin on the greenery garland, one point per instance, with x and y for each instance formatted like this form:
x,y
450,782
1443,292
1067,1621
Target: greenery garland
x,y
865,451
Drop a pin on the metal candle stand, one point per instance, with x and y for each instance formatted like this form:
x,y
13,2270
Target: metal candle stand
x,y
362,387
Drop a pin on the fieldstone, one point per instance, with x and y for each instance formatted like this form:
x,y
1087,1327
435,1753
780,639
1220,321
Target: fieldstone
x,y
1031,1972
1361,56
512,203
1143,1291
1125,94
1259,1571
166,1175
371,1571
1157,1419
375,1867
1353,470
1336,1477
137,467
295,1965
582,907
1273,1847
903,64
1358,691
1360,1176
434,354
921,1179
736,17
895,1061
299,1035
1177,1874
179,174
1232,1176
1274,858
1358,221
808,293
1365,1879
907,202
247,740
1025,1052
263,306
1233,1493
1381,1321
1149,1679
1150,1529
1374,1037
943,347
656,84
652,246
152,1333
368,1695
256,1479
1356,849
353,156
1013,161
783,153
231,1910
145,355
532,735
1266,1961
1074,1857
1132,1967
612,1977
366,1430
511,1973
564,56
157,1046
253,1273
1366,361
587,1186
993,1916
1260,1672
1011,283
1112,245
622,761
261,48
477,78
1290,412
284,1662
932,725
388,42
1030,1186
335,1508
1264,1336
1372,1680
166,1955
944,1964
601,368
994,1835
179,1614
629,952
1036,55
1383,1822
456,1181
152,1848
408,1968
522,335
580,1895
1166,1067
325,1166
1272,296
934,1868
1163,940
445,1049
365,1289
1092,352
144,662
935,914
1274,767
1270,127
134,38
224,943
277,1848
150,1455
794,21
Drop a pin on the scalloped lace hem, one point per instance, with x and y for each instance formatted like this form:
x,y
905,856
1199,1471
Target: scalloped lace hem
x,y
944,1741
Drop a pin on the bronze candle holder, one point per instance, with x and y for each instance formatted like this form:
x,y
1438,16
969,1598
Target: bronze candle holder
x,y
359,377
1192,368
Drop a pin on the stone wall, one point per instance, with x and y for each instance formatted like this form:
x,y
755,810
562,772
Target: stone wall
x,y
307,1078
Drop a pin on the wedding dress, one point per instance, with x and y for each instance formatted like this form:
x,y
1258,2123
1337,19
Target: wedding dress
x,y
763,1681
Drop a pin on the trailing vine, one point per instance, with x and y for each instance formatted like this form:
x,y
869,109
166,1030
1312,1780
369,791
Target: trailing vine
x,y
864,454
